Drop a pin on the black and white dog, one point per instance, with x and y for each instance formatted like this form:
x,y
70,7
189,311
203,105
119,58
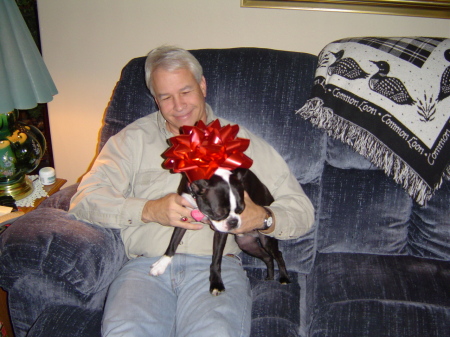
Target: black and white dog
x,y
221,199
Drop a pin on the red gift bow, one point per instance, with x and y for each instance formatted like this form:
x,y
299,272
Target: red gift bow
x,y
200,150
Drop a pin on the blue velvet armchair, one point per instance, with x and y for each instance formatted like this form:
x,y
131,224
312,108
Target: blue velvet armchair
x,y
374,264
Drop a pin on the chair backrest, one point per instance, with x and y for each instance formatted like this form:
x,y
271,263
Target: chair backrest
x,y
258,88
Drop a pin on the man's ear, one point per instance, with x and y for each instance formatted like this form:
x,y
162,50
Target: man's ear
x,y
203,85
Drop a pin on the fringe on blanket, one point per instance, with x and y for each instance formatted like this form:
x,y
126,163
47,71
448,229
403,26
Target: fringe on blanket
x,y
371,148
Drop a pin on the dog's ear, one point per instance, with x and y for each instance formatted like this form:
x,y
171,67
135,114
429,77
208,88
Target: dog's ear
x,y
184,183
240,173
199,187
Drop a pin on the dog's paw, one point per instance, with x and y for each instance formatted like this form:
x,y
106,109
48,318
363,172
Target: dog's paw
x,y
216,289
284,280
159,267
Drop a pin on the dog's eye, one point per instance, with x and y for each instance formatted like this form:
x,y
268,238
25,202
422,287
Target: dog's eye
x,y
239,209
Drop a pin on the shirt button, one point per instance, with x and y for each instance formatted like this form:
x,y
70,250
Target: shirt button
x,y
130,221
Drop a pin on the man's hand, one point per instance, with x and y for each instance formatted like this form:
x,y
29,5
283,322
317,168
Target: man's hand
x,y
252,217
169,211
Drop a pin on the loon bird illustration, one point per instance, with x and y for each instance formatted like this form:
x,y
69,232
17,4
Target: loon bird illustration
x,y
444,91
389,87
346,67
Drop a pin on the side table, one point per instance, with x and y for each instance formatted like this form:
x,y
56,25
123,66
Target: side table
x,y
50,189
4,314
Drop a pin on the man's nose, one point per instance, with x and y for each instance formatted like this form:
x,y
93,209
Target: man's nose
x,y
179,104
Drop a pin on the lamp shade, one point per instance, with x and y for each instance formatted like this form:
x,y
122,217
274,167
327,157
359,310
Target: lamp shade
x,y
24,78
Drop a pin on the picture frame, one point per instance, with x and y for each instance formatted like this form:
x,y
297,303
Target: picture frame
x,y
418,8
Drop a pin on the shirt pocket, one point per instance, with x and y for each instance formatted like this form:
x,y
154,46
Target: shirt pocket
x,y
154,184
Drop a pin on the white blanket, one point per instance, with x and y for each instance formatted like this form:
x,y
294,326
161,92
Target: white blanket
x,y
389,98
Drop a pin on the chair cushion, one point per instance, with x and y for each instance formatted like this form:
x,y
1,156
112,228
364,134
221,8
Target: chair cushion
x,y
51,242
362,211
342,156
429,233
375,318
61,199
276,307
362,293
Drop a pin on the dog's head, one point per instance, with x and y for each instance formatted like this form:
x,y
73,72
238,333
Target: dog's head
x,y
221,198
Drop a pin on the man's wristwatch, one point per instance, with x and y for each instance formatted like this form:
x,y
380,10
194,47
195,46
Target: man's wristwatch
x,y
268,220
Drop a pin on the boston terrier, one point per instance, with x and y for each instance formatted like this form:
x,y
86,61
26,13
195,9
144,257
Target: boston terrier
x,y
221,200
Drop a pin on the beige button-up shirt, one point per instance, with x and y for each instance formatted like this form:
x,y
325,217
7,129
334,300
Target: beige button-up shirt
x,y
128,172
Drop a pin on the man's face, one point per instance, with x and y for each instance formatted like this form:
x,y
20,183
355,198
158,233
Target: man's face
x,y
181,99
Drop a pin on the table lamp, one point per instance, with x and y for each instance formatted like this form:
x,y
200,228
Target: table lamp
x,y
24,82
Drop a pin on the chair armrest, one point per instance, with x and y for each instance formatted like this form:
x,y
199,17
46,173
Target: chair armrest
x,y
60,199
51,242
66,320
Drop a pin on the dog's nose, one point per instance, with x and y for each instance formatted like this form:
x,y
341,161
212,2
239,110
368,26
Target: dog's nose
x,y
232,223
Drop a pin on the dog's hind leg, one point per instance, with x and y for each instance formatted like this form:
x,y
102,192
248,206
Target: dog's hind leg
x,y
159,267
250,243
215,277
270,245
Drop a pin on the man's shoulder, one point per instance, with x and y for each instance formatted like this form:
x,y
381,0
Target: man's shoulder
x,y
148,120
145,124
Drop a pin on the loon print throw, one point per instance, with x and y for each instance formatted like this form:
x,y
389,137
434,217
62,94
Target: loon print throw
x,y
388,98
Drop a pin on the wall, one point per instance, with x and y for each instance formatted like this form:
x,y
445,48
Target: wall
x,y
87,42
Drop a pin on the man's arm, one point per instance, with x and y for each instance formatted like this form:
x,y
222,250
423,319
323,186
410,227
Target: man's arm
x,y
103,196
293,213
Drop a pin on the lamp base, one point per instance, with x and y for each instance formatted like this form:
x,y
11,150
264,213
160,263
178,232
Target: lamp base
x,y
18,190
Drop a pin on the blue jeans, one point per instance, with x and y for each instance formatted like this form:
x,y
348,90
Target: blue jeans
x,y
178,303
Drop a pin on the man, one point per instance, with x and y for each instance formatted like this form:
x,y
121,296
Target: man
x,y
128,189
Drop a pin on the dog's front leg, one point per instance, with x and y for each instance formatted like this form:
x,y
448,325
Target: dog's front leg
x,y
215,277
159,267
